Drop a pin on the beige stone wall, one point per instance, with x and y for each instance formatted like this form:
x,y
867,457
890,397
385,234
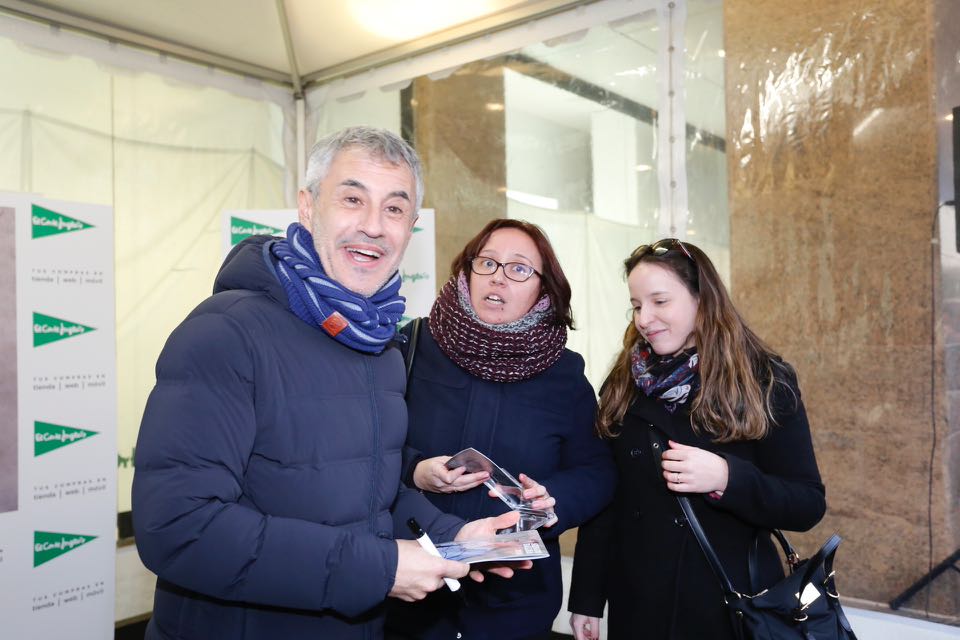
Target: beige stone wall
x,y
460,137
832,164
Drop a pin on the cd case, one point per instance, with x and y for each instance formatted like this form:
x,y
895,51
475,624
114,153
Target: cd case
x,y
521,545
504,485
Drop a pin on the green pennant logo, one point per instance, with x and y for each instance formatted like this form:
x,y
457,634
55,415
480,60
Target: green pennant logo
x,y
47,436
417,229
47,329
241,229
48,545
50,223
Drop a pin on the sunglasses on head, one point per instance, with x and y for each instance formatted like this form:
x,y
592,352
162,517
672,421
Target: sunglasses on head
x,y
660,247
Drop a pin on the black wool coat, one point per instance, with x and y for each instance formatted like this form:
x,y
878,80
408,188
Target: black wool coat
x,y
640,555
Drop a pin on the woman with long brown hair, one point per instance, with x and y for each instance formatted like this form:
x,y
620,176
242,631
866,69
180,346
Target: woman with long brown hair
x,y
693,372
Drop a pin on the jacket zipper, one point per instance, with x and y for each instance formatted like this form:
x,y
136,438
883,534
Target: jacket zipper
x,y
375,423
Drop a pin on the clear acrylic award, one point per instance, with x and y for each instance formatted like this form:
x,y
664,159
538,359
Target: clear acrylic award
x,y
504,485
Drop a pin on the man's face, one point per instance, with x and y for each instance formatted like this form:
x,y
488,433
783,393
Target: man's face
x,y
362,219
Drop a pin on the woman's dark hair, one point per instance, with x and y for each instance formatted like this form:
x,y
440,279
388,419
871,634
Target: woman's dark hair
x,y
737,370
552,281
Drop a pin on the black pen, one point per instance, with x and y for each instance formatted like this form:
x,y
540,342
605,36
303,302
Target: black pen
x,y
427,544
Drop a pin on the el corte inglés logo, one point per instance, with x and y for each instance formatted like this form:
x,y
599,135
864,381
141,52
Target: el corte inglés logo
x,y
48,329
47,436
48,545
48,223
240,229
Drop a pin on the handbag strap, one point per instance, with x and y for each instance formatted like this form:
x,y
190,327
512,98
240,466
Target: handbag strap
x,y
707,548
823,557
753,559
830,588
412,346
657,446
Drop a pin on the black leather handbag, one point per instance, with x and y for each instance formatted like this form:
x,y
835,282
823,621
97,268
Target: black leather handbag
x,y
804,605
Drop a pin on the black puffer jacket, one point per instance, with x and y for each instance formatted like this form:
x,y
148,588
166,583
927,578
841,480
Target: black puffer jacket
x,y
267,489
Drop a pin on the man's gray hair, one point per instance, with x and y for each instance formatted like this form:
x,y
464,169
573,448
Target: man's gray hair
x,y
379,143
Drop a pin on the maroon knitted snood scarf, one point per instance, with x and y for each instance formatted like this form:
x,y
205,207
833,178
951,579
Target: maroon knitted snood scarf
x,y
509,352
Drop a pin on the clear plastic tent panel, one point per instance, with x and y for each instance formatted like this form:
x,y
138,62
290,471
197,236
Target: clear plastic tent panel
x,y
169,157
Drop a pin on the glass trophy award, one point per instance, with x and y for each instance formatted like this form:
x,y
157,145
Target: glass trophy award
x,y
504,485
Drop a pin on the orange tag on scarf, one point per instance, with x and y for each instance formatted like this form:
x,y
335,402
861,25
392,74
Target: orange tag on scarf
x,y
335,324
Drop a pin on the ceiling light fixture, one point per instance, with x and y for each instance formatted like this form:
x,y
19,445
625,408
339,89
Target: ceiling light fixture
x,y
402,21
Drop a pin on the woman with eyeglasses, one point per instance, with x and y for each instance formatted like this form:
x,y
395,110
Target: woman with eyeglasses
x,y
491,371
738,445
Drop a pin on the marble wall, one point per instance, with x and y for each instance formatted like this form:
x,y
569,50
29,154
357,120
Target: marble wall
x,y
833,191
459,131
947,47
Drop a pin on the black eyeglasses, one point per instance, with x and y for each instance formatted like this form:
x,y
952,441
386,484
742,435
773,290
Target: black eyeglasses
x,y
516,271
660,247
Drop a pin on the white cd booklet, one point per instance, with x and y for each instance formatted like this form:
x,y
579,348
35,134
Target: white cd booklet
x,y
504,485
522,545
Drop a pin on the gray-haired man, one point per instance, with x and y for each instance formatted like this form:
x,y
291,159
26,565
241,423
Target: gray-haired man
x,y
267,493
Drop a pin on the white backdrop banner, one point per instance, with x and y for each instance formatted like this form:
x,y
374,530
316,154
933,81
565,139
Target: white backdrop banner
x,y
58,536
418,268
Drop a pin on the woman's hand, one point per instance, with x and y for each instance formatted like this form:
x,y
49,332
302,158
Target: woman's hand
x,y
432,475
541,499
693,470
585,627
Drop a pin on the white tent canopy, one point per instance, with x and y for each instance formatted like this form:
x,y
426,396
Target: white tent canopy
x,y
172,112
293,43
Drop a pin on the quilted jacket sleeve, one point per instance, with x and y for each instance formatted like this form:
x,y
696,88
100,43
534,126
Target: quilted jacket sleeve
x,y
195,440
410,503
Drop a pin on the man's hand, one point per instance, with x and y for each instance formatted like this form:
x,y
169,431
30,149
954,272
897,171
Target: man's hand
x,y
419,573
432,475
486,528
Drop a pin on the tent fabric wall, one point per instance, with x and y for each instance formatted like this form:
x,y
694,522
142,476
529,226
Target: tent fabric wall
x,y
169,156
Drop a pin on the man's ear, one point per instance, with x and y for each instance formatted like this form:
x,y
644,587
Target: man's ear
x,y
305,208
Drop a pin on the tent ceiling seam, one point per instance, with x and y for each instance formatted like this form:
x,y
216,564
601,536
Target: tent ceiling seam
x,y
291,53
450,37
77,22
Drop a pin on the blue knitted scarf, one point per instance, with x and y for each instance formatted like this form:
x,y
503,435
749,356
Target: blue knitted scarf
x,y
364,324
